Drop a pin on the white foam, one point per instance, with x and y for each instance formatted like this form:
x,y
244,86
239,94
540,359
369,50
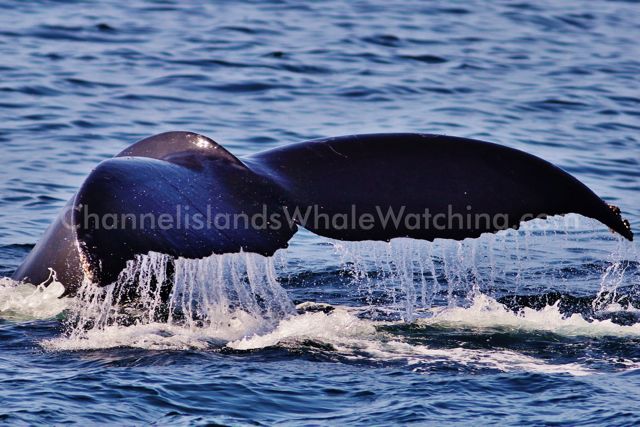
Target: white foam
x,y
24,301
339,324
422,358
161,336
358,339
486,312
349,337
236,301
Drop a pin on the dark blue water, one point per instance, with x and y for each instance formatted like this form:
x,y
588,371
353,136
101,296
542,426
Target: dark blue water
x,y
415,332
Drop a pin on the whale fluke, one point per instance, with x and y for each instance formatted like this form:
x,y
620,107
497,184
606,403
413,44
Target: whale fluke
x,y
452,177
360,187
165,180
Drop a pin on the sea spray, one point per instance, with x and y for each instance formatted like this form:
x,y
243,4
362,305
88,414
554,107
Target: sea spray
x,y
178,301
160,302
24,301
411,276
615,277
485,313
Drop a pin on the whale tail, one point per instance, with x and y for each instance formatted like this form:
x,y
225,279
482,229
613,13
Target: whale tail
x,y
361,187
381,186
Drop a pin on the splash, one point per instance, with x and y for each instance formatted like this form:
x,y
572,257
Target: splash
x,y
24,301
235,301
160,302
487,313
160,336
339,324
351,338
412,276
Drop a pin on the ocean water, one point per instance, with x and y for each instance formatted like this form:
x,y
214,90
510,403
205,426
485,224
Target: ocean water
x,y
535,327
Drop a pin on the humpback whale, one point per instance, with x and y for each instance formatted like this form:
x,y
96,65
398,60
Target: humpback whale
x,y
357,187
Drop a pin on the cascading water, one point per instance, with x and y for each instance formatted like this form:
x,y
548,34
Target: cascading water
x,y
216,300
222,295
413,276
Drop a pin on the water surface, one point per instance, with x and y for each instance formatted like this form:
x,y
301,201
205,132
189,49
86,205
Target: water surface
x,y
415,332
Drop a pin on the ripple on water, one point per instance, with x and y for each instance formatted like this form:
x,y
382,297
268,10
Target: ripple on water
x,y
552,78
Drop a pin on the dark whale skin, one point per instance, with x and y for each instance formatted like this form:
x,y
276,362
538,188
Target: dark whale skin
x,y
409,173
